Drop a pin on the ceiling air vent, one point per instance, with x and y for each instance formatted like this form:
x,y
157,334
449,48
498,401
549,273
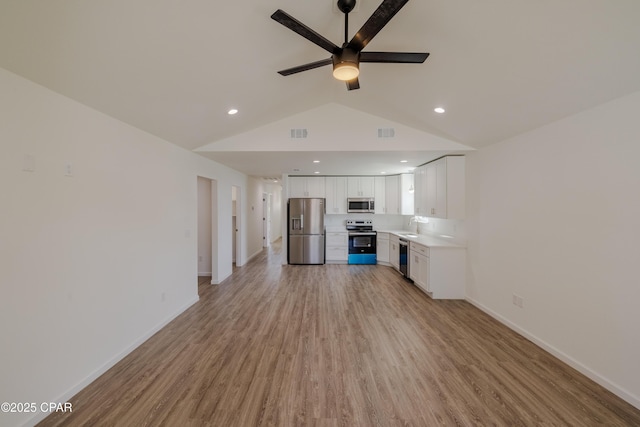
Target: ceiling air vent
x,y
386,132
298,133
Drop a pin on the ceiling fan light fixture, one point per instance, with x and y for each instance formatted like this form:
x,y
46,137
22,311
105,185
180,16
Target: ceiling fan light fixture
x,y
346,65
346,70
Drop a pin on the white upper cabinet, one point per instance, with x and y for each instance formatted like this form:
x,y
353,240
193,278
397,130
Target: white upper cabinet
x,y
407,191
441,192
336,194
380,195
420,193
399,194
360,186
392,184
306,186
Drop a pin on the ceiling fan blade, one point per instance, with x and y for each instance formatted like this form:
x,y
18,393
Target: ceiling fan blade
x,y
305,67
375,23
394,57
294,25
353,84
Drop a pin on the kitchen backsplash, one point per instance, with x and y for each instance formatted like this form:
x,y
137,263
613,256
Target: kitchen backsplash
x,y
380,222
445,228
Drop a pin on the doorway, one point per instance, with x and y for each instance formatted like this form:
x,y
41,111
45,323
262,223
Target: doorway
x,y
266,220
235,224
207,217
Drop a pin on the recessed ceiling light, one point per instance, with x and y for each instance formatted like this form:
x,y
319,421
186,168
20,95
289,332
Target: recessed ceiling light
x,y
316,161
383,172
403,161
316,172
439,110
232,111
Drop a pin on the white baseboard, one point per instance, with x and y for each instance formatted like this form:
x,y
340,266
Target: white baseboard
x,y
218,281
204,273
109,364
586,371
255,254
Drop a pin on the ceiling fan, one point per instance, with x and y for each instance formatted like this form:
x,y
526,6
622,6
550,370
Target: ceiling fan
x,y
346,59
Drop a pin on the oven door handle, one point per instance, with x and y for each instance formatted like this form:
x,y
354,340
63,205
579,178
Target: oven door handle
x,y
363,233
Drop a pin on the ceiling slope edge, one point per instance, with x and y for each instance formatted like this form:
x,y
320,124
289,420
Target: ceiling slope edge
x,y
333,127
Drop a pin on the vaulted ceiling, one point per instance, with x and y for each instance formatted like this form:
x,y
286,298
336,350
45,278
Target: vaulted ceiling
x,y
174,69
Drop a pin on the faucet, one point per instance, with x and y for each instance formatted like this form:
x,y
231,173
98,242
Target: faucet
x,y
415,219
418,220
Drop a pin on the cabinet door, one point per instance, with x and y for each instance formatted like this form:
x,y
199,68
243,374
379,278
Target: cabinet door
x,y
315,186
441,188
382,248
297,186
413,266
394,252
336,194
361,186
419,270
423,272
392,190
420,194
367,186
380,194
353,186
407,191
432,189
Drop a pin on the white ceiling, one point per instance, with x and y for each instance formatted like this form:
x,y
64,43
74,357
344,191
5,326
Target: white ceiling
x,y
174,68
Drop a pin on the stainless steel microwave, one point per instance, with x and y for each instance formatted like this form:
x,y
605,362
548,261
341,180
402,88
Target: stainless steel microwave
x,y
360,205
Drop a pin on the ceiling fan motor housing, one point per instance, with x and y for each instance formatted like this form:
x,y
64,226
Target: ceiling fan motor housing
x,y
346,6
346,64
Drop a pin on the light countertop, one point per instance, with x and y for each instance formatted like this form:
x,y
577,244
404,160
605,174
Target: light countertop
x,y
422,239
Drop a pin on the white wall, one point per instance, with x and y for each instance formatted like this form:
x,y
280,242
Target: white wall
x,y
90,265
553,216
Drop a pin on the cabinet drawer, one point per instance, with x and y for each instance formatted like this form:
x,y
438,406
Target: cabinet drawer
x,y
420,249
335,253
337,239
383,236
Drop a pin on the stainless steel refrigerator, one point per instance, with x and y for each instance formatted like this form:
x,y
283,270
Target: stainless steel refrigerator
x,y
306,231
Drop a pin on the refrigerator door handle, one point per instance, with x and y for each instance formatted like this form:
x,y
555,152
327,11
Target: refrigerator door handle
x,y
301,221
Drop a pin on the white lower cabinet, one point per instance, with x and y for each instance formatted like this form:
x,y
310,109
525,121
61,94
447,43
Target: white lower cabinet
x,y
394,251
337,247
438,271
382,248
419,265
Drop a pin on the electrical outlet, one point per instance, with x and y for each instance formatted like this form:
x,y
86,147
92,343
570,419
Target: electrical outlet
x,y
68,169
163,297
518,301
200,258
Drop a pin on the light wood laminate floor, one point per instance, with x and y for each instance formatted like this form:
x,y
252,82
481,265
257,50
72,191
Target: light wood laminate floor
x,y
338,345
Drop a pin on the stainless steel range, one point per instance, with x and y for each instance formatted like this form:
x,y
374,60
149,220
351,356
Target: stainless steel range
x,y
362,241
